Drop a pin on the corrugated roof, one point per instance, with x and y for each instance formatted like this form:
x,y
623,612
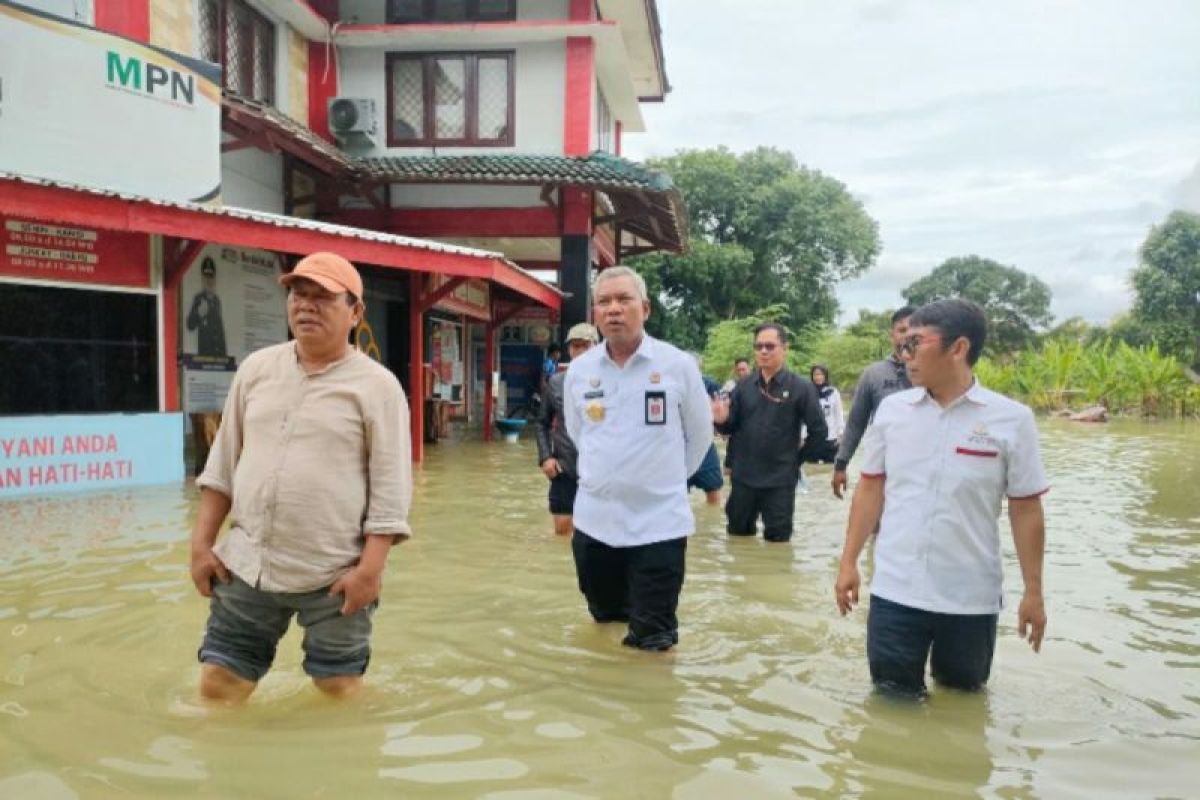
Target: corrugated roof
x,y
597,170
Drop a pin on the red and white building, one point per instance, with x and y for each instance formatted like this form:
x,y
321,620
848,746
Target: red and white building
x,y
472,171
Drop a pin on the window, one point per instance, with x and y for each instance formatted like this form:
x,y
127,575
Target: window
x,y
242,41
77,351
450,99
406,11
604,124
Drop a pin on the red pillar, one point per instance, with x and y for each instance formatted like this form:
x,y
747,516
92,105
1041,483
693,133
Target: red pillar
x,y
577,104
170,345
416,366
129,18
322,87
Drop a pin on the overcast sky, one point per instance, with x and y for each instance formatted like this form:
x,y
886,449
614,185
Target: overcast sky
x,y
1045,134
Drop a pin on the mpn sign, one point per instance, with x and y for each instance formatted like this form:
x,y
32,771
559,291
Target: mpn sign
x,y
87,107
160,83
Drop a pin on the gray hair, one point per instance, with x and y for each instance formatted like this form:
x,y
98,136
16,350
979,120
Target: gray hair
x,y
622,272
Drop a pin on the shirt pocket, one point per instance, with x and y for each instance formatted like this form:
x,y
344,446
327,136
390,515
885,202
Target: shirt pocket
x,y
977,465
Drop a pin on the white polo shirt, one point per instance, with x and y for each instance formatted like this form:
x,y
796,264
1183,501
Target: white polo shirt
x,y
947,471
640,430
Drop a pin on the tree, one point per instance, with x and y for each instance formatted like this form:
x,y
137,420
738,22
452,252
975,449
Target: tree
x,y
1167,285
1016,303
732,339
764,230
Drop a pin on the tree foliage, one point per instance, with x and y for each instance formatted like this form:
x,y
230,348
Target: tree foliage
x,y
764,231
1017,304
1167,285
732,339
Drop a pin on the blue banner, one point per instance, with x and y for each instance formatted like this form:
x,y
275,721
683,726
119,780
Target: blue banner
x,y
56,454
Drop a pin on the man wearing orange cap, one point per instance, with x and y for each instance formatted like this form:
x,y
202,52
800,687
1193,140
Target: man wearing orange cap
x,y
312,464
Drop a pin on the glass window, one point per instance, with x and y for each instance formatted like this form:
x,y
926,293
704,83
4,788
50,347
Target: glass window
x,y
408,11
77,351
242,41
450,98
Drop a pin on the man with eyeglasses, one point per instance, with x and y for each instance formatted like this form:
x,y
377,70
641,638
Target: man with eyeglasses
x,y
876,382
312,464
939,460
766,412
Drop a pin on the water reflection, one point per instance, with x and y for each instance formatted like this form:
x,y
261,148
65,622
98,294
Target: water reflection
x,y
488,679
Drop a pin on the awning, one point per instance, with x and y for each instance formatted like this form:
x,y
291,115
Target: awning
x,y
55,201
645,203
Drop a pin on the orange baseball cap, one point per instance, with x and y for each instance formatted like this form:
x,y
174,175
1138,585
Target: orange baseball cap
x,y
330,271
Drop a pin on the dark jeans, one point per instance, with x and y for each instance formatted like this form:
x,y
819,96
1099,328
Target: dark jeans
x,y
900,639
776,504
639,585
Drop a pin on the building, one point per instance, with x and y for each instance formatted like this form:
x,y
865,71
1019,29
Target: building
x,y
471,166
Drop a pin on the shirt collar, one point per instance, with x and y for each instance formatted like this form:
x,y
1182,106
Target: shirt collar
x,y
645,349
976,394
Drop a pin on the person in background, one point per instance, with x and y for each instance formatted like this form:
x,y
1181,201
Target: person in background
x,y
550,365
741,369
939,461
639,416
766,412
313,465
708,478
556,452
877,382
831,407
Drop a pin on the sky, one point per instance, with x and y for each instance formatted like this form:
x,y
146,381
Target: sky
x,y
1049,135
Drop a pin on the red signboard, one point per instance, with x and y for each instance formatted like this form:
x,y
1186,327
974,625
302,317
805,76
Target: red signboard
x,y
53,252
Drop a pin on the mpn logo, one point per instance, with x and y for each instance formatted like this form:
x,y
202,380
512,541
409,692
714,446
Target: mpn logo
x,y
151,80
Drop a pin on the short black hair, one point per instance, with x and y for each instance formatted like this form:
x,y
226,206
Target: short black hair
x,y
954,318
824,370
904,312
553,349
741,360
772,326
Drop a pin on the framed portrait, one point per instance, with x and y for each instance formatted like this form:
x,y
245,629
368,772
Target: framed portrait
x,y
512,334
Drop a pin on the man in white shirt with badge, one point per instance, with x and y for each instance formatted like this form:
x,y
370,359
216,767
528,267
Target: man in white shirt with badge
x,y
641,420
939,460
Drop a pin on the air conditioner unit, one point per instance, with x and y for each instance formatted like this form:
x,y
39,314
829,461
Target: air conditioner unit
x,y
352,118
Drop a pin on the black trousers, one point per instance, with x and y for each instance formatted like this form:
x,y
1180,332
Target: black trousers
x,y
639,585
776,504
900,639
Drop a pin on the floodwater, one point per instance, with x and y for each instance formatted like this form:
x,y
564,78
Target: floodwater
x,y
489,681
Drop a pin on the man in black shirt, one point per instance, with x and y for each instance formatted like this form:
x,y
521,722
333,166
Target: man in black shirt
x,y
766,412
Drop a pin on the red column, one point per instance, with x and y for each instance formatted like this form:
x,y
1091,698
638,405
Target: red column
x,y
617,139
416,366
130,18
489,363
577,103
322,86
170,346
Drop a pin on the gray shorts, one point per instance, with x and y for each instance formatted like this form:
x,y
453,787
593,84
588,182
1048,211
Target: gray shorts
x,y
245,625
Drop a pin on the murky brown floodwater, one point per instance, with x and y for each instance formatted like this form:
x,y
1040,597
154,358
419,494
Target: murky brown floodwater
x,y
488,680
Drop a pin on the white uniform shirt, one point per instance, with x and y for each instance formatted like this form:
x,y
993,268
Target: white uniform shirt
x,y
640,430
947,471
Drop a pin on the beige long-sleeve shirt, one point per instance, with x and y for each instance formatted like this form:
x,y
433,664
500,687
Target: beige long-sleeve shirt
x,y
312,463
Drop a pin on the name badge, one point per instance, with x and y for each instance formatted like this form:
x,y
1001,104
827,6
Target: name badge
x,y
656,408
592,395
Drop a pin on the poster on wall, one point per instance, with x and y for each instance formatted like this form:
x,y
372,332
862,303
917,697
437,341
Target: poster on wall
x,y
231,305
447,360
106,111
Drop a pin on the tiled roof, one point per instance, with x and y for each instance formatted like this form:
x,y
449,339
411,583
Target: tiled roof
x,y
598,170
285,132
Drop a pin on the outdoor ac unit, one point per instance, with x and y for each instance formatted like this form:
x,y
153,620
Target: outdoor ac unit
x,y
351,117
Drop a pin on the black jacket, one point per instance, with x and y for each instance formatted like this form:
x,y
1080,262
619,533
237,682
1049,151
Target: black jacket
x,y
767,419
551,429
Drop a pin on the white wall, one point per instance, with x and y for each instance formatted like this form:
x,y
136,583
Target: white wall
x,y
540,84
252,179
420,195
75,10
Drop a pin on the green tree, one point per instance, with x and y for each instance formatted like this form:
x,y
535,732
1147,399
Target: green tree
x,y
1167,285
764,231
732,339
1017,304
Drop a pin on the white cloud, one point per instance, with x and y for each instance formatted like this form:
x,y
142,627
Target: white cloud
x,y
1049,136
